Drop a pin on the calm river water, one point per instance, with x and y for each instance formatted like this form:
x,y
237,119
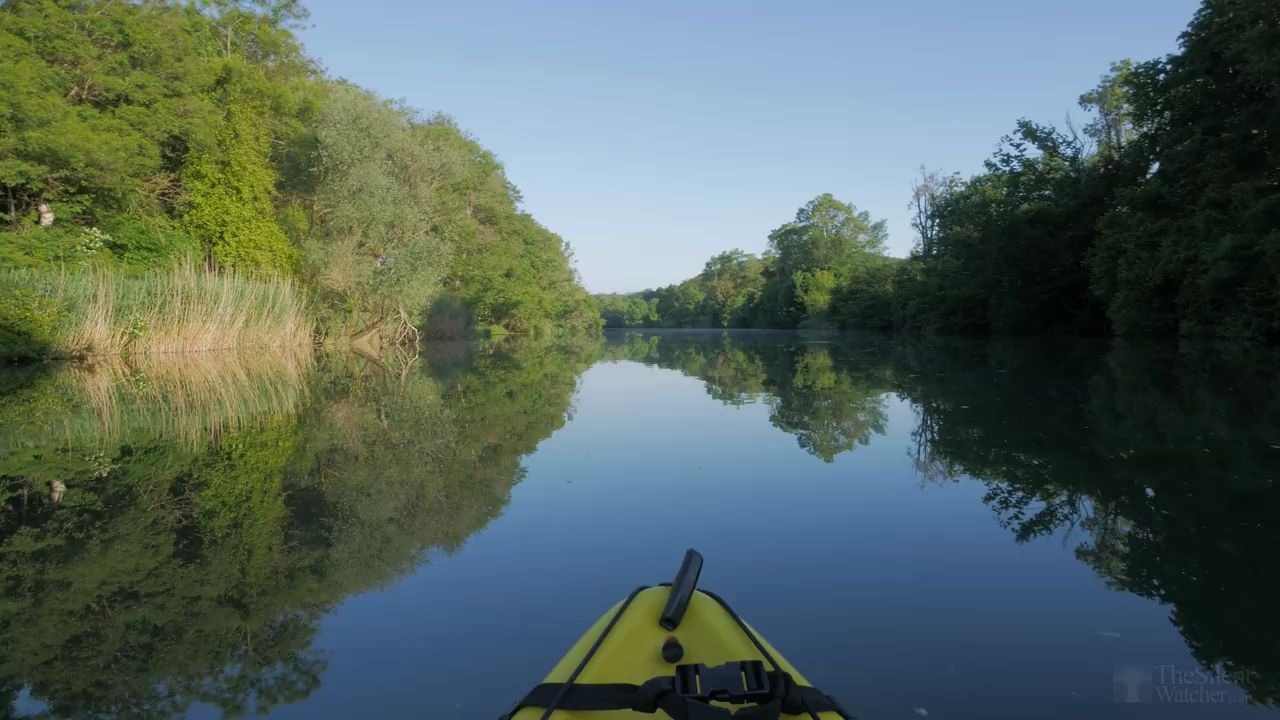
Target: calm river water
x,y
949,529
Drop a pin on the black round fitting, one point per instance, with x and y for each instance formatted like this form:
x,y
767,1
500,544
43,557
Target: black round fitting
x,y
672,650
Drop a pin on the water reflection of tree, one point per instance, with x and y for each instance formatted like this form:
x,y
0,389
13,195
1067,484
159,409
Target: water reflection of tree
x,y
173,571
733,367
1160,463
829,408
829,404
116,601
174,567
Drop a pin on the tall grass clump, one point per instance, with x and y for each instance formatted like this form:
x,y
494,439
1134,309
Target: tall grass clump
x,y
99,312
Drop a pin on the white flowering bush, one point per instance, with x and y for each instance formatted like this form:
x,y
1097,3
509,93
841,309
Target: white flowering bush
x,y
92,242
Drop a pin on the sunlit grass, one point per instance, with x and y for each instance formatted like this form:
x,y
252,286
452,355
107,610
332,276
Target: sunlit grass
x,y
98,312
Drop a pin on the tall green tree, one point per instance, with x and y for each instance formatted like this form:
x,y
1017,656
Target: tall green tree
x,y
1112,127
732,281
1011,244
928,190
827,234
1195,247
230,196
374,247
817,253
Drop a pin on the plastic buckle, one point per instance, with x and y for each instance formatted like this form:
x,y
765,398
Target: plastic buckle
x,y
734,682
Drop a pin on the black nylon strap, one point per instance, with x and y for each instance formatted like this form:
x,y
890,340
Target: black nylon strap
x,y
604,696
659,694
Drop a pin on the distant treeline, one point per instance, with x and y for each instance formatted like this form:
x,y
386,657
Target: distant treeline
x,y
136,136
1160,217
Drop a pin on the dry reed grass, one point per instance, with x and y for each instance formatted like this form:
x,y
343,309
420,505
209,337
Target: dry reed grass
x,y
183,310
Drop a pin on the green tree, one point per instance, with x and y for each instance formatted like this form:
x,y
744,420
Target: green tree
x,y
1112,127
818,252
831,251
732,282
230,188
1195,248
374,248
1011,244
685,304
827,234
815,290
408,211
96,102
626,311
513,273
869,297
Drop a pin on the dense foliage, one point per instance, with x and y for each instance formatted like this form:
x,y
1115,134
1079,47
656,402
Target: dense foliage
x,y
1195,247
1161,216
1164,218
135,135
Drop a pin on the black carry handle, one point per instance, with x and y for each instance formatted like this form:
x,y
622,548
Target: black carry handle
x,y
682,590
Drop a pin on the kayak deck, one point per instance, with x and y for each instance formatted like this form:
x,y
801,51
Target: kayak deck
x,y
632,651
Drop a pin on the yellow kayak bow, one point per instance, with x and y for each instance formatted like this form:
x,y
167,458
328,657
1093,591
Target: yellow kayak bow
x,y
678,651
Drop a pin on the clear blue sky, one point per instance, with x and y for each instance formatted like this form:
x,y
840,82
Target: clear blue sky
x,y
652,135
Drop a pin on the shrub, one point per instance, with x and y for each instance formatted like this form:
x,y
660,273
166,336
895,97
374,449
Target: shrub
x,y
26,322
